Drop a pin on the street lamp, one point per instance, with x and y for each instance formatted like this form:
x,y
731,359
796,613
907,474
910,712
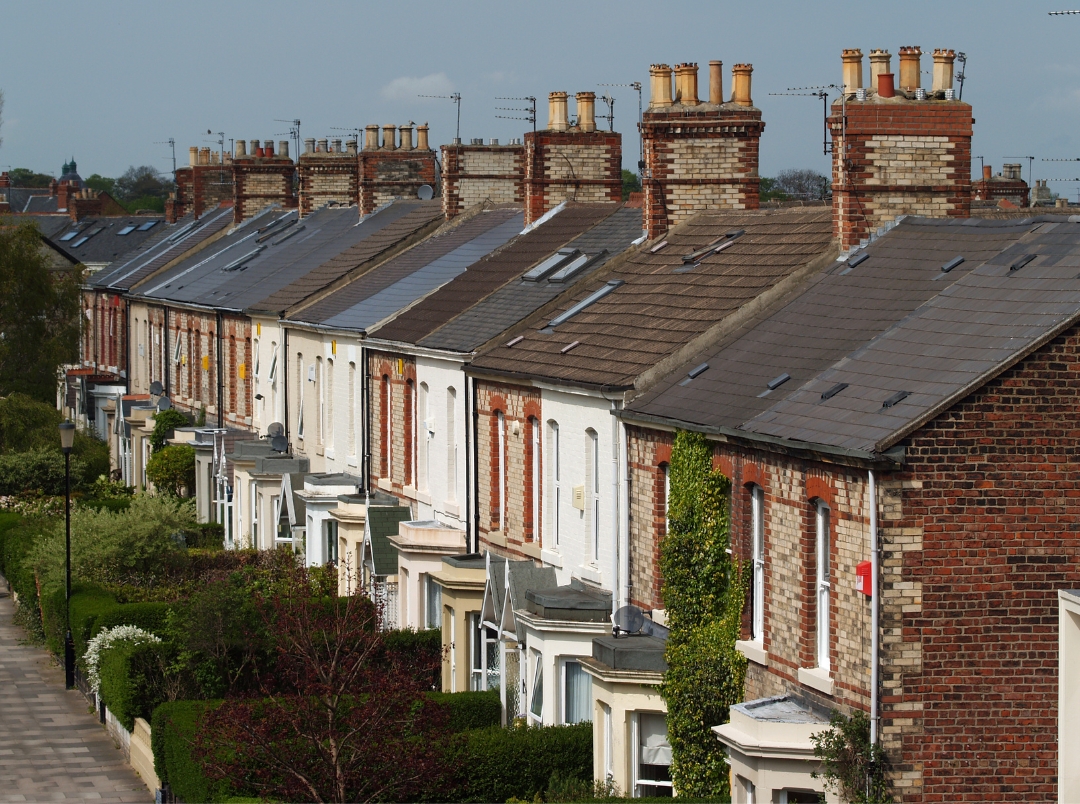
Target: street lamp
x,y
67,440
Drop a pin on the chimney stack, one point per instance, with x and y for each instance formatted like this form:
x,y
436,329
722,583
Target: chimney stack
x,y
740,78
557,115
988,172
716,82
586,110
389,137
659,85
686,84
880,62
204,156
371,138
852,58
422,138
406,137
943,69
909,68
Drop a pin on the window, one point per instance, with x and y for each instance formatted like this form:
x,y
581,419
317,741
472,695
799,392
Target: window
x,y
271,374
433,601
577,693
476,653
256,378
352,411
609,743
665,469
423,445
532,469
329,396
757,504
500,425
320,396
331,541
592,489
555,480
254,500
389,442
652,775
536,700
300,395
384,426
822,563
451,445
410,433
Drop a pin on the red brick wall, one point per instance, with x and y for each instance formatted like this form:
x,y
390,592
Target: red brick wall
x,y
391,437
326,177
386,174
261,181
104,331
200,188
193,387
576,165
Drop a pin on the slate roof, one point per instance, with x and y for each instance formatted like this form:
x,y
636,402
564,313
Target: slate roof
x,y
21,198
518,298
48,225
104,241
39,203
399,282
171,242
382,523
664,303
832,313
278,249
872,388
492,272
407,220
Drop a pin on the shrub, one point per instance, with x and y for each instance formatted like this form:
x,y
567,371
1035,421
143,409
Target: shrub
x,y
165,423
172,469
424,645
88,602
206,536
150,616
18,569
38,471
470,710
172,729
123,667
853,768
497,764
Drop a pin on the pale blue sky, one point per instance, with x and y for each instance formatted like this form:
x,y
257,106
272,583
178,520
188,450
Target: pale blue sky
x,y
105,81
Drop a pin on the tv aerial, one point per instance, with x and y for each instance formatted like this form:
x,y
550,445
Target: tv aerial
x,y
610,102
1031,161
456,98
294,132
636,86
821,92
527,113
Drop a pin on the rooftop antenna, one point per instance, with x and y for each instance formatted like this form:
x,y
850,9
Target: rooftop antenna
x,y
1061,13
1031,161
456,98
636,86
610,101
982,164
528,112
171,142
960,76
355,131
294,133
822,92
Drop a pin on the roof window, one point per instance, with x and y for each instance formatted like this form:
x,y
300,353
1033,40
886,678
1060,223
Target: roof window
x,y
576,266
69,236
126,230
588,301
79,242
555,261
146,227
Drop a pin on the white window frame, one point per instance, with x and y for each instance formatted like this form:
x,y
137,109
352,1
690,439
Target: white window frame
x,y
536,687
271,374
555,470
757,524
320,396
451,445
328,437
388,432
534,426
823,526
500,423
593,491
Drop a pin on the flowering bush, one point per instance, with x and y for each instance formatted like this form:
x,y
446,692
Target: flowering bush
x,y
107,639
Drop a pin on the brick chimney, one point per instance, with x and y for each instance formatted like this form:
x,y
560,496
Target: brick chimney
x,y
261,178
698,156
473,174
389,172
84,204
577,163
201,186
64,192
898,155
5,179
326,176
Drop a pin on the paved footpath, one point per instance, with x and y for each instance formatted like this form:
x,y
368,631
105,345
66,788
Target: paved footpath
x,y
52,747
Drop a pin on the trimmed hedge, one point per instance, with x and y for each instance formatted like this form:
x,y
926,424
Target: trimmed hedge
x,y
88,602
470,710
130,681
147,616
497,764
206,536
172,728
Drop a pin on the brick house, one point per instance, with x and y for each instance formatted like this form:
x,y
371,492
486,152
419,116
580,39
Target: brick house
x,y
832,433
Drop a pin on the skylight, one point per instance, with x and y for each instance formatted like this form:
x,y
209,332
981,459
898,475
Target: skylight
x,y
550,264
79,242
575,266
146,227
126,230
591,299
70,236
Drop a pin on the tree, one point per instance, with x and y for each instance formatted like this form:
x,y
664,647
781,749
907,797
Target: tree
x,y
39,315
142,182
102,184
24,177
340,718
172,469
631,183
802,185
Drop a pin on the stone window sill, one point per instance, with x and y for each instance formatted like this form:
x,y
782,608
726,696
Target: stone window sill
x,y
551,558
816,678
754,651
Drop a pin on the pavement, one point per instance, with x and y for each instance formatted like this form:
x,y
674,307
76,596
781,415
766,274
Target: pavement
x,y
52,747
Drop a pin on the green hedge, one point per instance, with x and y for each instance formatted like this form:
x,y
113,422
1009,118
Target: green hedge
x,y
88,602
470,710
497,764
172,728
38,471
147,616
130,681
206,536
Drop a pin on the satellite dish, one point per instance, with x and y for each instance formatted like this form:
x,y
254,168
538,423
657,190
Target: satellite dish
x,y
275,429
164,403
425,193
279,443
156,388
627,620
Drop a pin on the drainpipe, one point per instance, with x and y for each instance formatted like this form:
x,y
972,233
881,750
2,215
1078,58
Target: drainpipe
x,y
470,541
166,363
365,420
475,462
624,506
875,668
220,372
616,542
285,380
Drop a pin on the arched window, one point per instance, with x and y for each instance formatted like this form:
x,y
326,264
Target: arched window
x,y
320,399
498,500
299,395
821,566
329,396
757,554
532,481
554,460
451,445
410,434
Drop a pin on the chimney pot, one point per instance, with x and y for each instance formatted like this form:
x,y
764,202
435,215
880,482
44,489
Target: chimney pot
x,y
371,138
493,141
910,64
241,148
309,145
716,82
852,59
254,149
193,156
215,158
987,172
322,147
659,85
268,149
204,156
741,80
389,137
885,87
943,69
880,62
586,110
422,138
337,146
686,84
557,116
283,149
350,147
406,137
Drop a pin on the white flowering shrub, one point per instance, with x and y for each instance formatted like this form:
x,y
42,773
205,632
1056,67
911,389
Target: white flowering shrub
x,y
109,637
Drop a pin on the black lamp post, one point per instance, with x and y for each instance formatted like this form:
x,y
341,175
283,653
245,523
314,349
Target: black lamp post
x,y
67,440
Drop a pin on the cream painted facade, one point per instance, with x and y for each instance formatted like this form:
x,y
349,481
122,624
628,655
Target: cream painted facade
x,y
553,650
421,546
462,587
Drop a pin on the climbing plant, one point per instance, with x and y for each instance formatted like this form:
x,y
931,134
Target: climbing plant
x,y
703,596
165,422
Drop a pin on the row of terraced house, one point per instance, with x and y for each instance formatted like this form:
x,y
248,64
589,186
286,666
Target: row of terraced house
x,y
468,402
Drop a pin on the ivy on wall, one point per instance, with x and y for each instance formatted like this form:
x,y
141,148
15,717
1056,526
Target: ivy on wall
x,y
703,596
